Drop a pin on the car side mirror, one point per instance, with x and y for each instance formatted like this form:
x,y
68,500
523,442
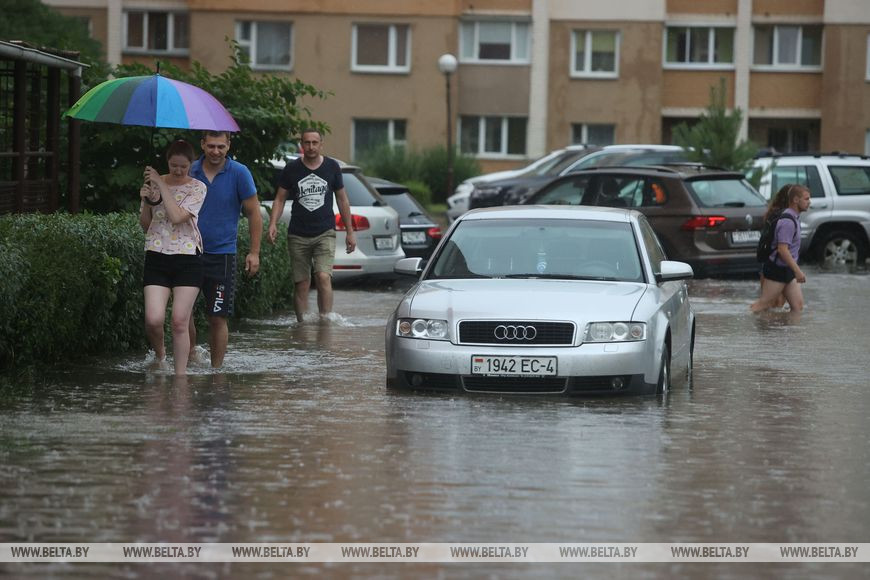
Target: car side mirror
x,y
409,266
670,270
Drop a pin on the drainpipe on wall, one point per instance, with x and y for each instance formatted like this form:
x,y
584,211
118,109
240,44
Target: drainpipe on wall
x,y
536,145
742,62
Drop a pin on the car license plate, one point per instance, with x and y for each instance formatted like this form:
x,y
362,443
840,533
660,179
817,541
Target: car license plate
x,y
513,366
413,238
746,237
385,243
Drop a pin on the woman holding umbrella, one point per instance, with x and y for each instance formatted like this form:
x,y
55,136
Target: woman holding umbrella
x,y
168,215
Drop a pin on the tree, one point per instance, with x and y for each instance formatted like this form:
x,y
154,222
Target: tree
x,y
39,25
713,139
268,108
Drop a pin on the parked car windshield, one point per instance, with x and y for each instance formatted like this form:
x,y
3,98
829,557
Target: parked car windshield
x,y
541,248
358,193
728,192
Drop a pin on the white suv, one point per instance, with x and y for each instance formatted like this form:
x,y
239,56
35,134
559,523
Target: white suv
x,y
836,229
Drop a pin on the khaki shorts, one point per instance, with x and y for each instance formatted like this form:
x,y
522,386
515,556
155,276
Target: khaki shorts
x,y
311,254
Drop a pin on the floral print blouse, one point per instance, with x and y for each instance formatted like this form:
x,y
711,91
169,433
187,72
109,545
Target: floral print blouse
x,y
167,238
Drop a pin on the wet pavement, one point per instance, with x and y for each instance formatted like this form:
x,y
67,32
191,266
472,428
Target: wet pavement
x,y
297,440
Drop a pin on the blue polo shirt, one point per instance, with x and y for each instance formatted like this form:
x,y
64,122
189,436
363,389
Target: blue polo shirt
x,y
219,217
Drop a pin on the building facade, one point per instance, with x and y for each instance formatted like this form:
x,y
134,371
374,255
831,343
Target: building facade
x,y
533,75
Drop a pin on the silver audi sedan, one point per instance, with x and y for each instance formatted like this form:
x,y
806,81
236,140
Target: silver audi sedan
x,y
543,300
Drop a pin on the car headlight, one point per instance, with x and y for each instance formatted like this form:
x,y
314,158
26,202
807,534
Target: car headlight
x,y
429,329
615,332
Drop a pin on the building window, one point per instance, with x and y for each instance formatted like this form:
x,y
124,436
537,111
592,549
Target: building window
x,y
492,136
867,62
494,42
592,134
266,44
867,142
788,140
699,46
384,48
371,134
156,32
595,53
788,46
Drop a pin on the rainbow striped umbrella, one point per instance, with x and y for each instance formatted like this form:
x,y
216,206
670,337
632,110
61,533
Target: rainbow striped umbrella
x,y
153,101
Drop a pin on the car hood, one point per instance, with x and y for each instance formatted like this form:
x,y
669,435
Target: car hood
x,y
523,299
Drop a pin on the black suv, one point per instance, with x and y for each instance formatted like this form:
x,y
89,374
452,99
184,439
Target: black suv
x,y
707,217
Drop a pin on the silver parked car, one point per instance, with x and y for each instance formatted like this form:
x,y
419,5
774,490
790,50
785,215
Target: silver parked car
x,y
378,243
543,300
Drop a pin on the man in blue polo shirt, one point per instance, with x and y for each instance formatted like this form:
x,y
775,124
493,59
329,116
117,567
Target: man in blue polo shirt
x,y
231,189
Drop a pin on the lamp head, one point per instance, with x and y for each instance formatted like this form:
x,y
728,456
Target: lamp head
x,y
447,64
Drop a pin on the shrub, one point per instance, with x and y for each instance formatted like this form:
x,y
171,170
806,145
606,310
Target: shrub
x,y
72,285
77,274
420,191
427,167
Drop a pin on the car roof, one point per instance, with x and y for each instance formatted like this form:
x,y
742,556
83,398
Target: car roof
x,y
574,212
767,154
380,182
642,146
687,171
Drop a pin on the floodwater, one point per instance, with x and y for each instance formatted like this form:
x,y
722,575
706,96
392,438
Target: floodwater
x,y
297,440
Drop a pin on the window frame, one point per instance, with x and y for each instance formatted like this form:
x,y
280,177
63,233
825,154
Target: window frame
x,y
775,66
391,133
392,48
867,63
587,52
584,133
481,152
514,58
170,32
711,47
251,44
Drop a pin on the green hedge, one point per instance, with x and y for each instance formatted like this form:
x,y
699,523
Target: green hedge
x,y
71,285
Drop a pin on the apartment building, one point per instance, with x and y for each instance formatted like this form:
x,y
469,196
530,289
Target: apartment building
x,y
533,75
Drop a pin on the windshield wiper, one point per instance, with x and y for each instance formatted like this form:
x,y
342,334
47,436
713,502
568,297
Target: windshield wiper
x,y
557,277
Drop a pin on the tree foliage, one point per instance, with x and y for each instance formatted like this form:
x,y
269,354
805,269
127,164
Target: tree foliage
x,y
714,138
269,109
39,25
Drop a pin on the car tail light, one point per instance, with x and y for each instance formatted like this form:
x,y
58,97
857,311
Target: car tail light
x,y
702,221
434,233
359,222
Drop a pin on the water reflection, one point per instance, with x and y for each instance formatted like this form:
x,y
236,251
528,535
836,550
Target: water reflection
x,y
297,440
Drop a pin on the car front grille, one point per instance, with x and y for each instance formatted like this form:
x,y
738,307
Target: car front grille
x,y
535,385
516,332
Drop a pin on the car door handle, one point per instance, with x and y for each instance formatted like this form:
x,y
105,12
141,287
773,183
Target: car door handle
x,y
819,205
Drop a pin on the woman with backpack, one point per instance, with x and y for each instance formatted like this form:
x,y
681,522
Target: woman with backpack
x,y
777,204
781,274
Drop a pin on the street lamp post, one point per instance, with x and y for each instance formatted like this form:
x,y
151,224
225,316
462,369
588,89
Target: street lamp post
x,y
447,65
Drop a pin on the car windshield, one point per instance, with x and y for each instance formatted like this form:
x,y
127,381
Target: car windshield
x,y
541,248
727,192
357,192
404,204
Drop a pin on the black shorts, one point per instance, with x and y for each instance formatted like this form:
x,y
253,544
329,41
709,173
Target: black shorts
x,y
171,270
777,273
219,284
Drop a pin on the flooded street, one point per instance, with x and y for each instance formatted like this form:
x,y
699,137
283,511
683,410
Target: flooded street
x,y
297,440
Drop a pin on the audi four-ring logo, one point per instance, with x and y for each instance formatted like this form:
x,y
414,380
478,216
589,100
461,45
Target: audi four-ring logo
x,y
512,332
